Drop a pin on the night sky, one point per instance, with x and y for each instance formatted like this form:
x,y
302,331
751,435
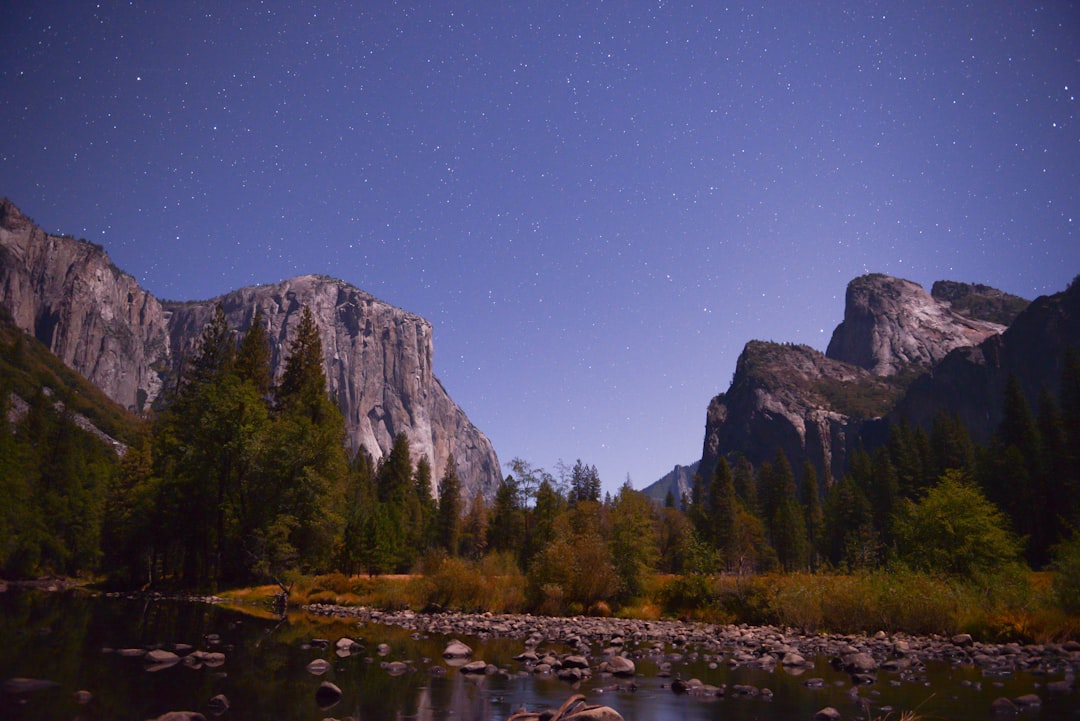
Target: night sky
x,y
595,204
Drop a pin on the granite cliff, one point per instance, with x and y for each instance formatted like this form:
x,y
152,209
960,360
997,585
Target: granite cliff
x,y
99,322
814,406
891,324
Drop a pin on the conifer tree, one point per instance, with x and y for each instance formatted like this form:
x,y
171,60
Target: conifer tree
x,y
788,528
723,509
507,529
253,356
449,514
815,515
474,528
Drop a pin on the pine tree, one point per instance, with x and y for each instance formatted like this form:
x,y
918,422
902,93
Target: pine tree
x,y
253,356
474,528
723,509
449,514
815,515
507,529
303,384
788,528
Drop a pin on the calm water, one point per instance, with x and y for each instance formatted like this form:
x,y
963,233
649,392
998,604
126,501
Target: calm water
x,y
66,638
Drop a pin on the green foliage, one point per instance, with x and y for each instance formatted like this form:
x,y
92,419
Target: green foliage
x,y
956,531
633,540
448,534
1066,568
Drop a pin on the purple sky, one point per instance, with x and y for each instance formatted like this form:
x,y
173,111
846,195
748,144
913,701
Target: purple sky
x,y
595,204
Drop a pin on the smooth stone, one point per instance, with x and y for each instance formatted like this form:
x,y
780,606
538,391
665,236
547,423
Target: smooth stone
x,y
476,667
397,668
827,714
160,657
575,662
1029,700
318,667
83,697
180,716
456,649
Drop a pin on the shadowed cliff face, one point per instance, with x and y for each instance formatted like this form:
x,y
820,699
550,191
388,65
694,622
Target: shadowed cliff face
x,y
970,382
102,324
814,405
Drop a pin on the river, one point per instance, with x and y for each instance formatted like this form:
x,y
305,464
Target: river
x,y
79,641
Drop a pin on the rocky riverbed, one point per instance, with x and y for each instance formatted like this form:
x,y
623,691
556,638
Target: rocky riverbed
x,y
602,645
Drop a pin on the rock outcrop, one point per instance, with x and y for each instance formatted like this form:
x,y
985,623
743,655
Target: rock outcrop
x,y
814,406
680,481
379,365
90,314
891,324
794,398
970,382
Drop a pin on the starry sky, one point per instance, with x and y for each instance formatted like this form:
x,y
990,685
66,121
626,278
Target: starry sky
x,y
596,204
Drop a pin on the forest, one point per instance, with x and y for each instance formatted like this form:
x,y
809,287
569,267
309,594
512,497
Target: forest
x,y
239,481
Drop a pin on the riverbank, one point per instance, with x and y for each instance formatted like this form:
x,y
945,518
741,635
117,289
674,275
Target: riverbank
x,y
762,647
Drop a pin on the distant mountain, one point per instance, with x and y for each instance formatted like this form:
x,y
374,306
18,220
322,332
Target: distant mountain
x,y
817,406
680,481
101,323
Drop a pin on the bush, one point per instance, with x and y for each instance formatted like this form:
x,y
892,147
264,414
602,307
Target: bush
x,y
1066,568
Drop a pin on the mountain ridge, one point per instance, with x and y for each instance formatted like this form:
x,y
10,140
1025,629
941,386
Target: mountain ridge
x,y
100,322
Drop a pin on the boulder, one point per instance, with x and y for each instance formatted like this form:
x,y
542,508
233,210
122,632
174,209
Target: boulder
x,y
456,649
476,667
318,667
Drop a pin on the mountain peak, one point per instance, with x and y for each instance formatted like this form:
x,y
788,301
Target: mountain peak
x,y
891,324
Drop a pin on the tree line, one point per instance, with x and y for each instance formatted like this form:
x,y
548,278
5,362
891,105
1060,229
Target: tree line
x,y
241,479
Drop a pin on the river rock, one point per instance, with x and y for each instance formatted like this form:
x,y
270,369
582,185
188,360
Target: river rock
x,y
327,695
1028,701
619,666
318,667
347,644
218,704
180,716
161,657
859,663
1002,706
477,667
456,649
827,714
396,668
575,662
83,697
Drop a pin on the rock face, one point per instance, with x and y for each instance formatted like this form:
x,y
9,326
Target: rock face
x,y
94,317
378,366
971,381
99,321
890,324
791,397
680,482
814,406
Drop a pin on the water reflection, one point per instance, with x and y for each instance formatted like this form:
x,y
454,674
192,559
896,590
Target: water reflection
x,y
83,642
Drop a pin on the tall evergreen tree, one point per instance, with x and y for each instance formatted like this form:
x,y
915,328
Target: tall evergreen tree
x,y
723,509
253,356
507,529
474,528
815,514
788,527
449,523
